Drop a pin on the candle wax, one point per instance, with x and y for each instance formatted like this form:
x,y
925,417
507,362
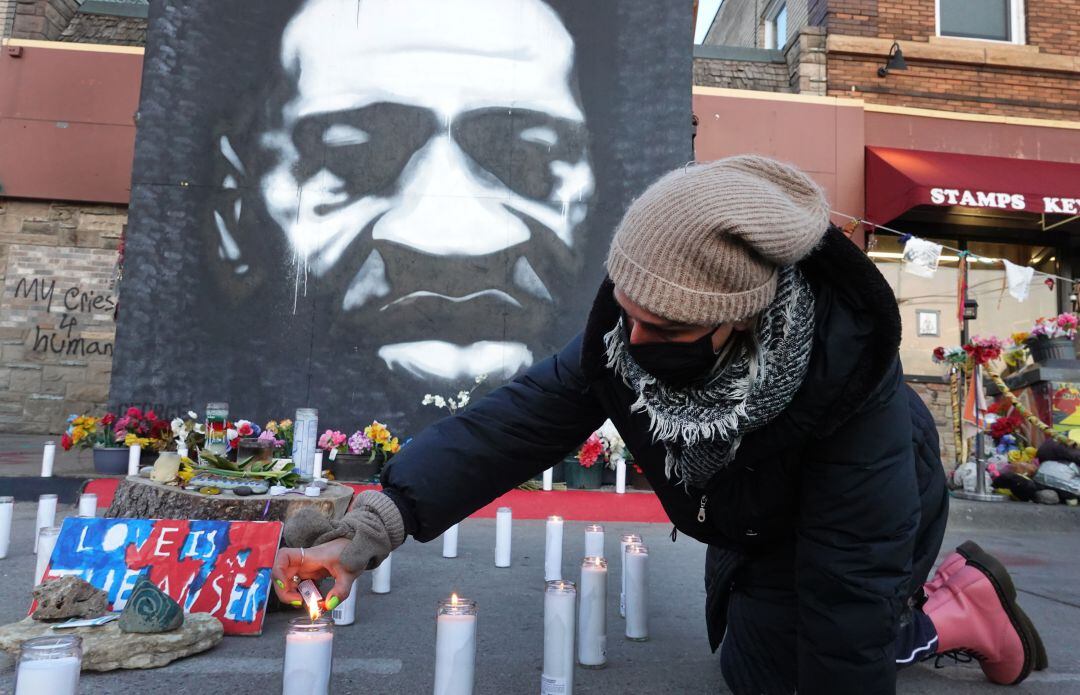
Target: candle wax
x,y
549,476
449,541
48,676
47,459
380,576
594,543
307,664
503,521
88,504
592,625
46,515
637,615
558,674
620,477
455,654
7,510
553,549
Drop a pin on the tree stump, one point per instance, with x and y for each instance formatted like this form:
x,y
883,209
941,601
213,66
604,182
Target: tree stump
x,y
140,498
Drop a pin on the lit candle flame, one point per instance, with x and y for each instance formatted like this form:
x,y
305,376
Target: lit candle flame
x,y
453,599
313,609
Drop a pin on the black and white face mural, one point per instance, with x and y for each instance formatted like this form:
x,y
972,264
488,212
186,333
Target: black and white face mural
x,y
362,201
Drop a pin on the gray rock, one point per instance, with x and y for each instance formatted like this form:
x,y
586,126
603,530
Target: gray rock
x,y
242,491
69,597
106,648
149,610
1047,497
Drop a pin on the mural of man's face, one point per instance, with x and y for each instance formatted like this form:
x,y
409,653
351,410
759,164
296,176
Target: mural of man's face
x,y
431,170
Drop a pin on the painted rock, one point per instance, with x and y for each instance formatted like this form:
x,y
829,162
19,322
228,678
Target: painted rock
x,y
149,610
69,597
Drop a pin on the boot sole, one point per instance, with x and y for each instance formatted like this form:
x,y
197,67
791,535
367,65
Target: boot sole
x,y
1006,591
992,567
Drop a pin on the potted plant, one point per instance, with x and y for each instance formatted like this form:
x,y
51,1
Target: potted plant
x,y
143,428
1052,338
362,455
582,471
88,432
282,431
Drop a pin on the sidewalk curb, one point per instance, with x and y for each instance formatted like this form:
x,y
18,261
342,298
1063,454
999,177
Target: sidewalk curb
x,y
28,489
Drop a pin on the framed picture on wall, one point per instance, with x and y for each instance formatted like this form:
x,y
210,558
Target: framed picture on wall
x,y
928,321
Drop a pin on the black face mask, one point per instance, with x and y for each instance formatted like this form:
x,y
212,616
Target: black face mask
x,y
674,364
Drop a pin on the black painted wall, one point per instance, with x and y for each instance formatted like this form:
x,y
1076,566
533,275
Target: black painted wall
x,y
350,204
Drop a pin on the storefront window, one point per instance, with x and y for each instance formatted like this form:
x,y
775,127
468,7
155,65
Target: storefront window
x,y
931,303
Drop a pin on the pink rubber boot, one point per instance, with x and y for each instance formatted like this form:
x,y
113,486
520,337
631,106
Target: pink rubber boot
x,y
952,562
973,615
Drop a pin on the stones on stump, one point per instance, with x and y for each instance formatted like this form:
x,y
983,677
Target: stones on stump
x,y
149,610
1047,497
69,597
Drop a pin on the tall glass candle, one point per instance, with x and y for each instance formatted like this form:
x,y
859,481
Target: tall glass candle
x,y
7,511
627,539
380,576
48,458
88,505
636,563
549,476
309,653
620,476
305,440
455,646
46,542
449,541
553,549
592,620
316,464
557,677
134,456
594,540
345,613
217,428
49,665
503,522
46,515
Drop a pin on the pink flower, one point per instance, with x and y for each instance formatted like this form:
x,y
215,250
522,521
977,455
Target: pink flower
x,y
331,439
244,429
590,451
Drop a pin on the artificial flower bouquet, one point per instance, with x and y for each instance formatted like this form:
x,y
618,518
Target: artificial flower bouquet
x,y
144,428
1060,326
605,442
375,440
87,431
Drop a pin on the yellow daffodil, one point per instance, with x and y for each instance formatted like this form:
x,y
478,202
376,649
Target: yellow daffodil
x,y
77,435
272,426
377,432
391,446
132,438
284,425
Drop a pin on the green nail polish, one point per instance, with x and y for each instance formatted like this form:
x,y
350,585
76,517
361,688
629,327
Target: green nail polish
x,y
296,603
332,603
281,584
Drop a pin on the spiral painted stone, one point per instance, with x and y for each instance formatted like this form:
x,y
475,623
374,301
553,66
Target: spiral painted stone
x,y
150,610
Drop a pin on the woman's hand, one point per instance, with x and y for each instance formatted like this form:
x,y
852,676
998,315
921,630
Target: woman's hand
x,y
314,563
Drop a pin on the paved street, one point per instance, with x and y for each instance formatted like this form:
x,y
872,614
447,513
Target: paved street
x,y
391,647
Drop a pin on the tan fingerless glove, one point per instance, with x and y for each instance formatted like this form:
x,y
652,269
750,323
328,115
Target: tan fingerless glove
x,y
374,525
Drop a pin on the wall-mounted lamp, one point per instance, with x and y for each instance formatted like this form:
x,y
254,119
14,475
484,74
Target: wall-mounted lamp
x,y
896,61
971,310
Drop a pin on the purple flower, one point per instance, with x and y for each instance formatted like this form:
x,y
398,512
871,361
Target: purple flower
x,y
268,436
359,442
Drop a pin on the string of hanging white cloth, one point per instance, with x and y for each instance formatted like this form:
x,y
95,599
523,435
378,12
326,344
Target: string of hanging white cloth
x,y
970,255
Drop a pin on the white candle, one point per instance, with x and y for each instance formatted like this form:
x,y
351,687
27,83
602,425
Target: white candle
x,y
182,450
594,540
620,476
46,515
557,677
316,466
134,454
88,505
7,511
309,652
549,475
626,540
503,521
449,541
592,621
553,549
52,676
636,561
312,491
345,613
46,543
455,646
380,577
48,457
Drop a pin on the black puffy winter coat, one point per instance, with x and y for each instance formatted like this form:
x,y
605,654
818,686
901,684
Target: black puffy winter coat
x,y
849,472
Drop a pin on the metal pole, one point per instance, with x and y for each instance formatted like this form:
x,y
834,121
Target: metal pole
x,y
981,493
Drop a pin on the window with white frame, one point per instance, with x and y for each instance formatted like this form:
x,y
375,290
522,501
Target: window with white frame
x,y
991,20
776,26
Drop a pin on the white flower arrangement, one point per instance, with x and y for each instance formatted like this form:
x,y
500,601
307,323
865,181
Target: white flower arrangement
x,y
454,403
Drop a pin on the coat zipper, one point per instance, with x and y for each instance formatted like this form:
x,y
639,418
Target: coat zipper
x,y
701,509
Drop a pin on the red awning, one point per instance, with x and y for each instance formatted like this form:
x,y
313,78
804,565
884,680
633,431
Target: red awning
x,y
898,180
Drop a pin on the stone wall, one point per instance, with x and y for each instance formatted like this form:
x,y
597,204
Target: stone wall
x,y
58,263
937,398
807,62
741,68
43,20
98,28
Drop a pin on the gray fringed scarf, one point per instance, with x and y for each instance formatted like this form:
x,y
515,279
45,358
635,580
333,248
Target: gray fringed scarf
x,y
702,425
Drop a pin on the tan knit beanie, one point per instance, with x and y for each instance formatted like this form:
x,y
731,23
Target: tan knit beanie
x,y
702,244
